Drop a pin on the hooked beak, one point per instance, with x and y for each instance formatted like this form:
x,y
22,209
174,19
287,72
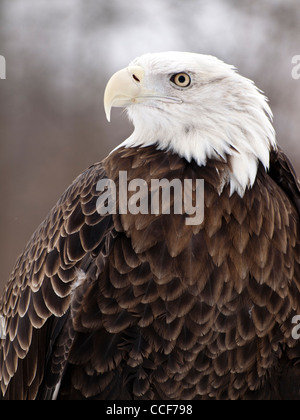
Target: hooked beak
x,y
126,87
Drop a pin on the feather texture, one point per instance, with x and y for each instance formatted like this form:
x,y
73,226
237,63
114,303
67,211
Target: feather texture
x,y
149,307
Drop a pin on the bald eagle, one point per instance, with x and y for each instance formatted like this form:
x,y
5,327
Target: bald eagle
x,y
136,305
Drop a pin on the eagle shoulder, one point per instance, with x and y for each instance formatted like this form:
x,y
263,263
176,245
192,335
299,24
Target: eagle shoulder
x,y
39,292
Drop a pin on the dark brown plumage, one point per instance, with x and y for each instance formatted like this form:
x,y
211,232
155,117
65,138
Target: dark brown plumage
x,y
147,307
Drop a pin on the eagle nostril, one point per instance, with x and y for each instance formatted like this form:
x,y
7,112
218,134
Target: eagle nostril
x,y
136,78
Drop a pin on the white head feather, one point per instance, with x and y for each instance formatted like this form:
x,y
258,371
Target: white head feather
x,y
221,113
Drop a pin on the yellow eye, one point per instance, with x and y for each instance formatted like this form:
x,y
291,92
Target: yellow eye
x,y
182,80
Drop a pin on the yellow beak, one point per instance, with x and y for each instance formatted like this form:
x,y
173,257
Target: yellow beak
x,y
125,88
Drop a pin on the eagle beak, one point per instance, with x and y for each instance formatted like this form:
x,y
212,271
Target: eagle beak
x,y
125,88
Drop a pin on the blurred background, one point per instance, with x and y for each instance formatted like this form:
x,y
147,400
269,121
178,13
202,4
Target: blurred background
x,y
59,56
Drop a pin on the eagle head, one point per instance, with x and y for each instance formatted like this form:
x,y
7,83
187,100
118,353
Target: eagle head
x,y
198,107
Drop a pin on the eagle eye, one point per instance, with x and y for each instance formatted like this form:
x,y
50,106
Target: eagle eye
x,y
182,80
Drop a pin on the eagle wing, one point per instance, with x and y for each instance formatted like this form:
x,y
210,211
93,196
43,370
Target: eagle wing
x,y
46,279
68,252
284,175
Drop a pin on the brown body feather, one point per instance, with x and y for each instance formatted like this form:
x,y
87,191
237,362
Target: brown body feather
x,y
145,306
